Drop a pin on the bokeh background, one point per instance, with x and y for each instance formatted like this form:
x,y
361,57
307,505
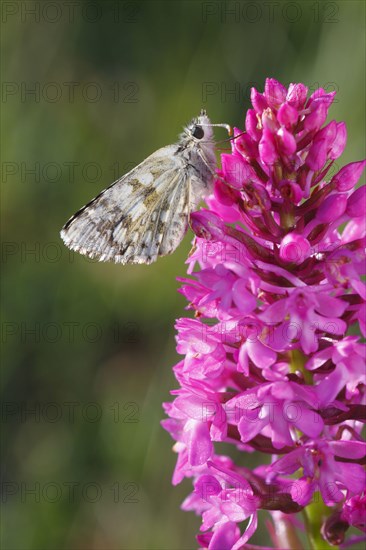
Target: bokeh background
x,y
88,90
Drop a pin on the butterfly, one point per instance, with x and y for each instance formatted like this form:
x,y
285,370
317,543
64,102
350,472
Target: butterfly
x,y
145,213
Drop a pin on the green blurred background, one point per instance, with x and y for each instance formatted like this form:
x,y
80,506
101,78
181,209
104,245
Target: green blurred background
x,y
88,90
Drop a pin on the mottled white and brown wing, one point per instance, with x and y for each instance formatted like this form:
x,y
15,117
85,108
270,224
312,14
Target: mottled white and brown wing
x,y
141,216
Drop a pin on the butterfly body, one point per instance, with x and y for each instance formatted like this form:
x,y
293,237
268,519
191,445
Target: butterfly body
x,y
145,213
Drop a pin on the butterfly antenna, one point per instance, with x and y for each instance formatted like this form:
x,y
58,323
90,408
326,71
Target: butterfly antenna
x,y
231,138
229,131
222,125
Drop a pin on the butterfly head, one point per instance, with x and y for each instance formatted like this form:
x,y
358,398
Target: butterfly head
x,y
200,129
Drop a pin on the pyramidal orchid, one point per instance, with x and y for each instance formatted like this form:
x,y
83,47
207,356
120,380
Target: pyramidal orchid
x,y
271,361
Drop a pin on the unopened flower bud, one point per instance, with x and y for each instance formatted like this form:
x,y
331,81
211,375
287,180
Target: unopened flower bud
x,y
287,115
258,101
332,208
356,204
296,95
349,175
275,93
294,248
207,225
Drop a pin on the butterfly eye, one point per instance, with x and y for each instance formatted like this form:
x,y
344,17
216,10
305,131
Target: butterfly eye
x,y
198,132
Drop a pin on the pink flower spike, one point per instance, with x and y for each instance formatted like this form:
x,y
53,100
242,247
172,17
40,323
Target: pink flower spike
x,y
275,288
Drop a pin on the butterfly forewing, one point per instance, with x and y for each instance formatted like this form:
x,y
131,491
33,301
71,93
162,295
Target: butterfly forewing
x,y
145,213
129,221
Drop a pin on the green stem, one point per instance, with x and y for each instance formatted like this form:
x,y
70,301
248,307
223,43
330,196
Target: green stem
x,y
297,363
285,536
287,220
315,514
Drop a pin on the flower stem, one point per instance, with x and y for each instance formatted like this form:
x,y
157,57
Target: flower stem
x,y
284,535
315,515
297,363
316,512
